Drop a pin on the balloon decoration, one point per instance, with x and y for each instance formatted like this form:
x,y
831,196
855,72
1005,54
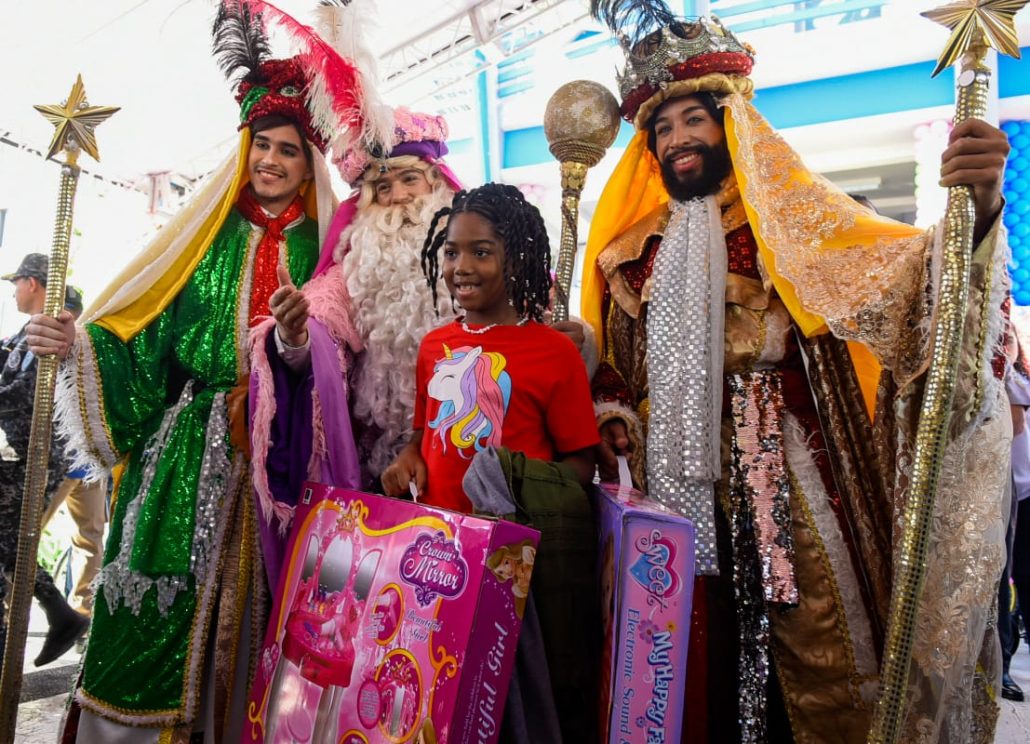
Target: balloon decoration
x,y
1017,208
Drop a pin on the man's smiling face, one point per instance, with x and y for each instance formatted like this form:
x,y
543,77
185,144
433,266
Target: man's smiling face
x,y
278,167
690,145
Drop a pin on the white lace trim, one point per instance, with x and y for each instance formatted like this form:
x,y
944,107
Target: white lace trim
x,y
79,411
243,301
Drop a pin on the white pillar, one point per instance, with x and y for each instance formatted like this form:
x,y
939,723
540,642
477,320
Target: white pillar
x,y
931,139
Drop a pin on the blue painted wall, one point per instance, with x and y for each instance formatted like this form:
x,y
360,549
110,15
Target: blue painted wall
x,y
852,96
819,101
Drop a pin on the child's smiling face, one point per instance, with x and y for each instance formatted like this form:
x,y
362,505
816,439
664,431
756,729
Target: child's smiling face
x,y
473,268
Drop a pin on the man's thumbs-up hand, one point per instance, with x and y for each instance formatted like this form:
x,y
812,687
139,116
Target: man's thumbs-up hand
x,y
290,309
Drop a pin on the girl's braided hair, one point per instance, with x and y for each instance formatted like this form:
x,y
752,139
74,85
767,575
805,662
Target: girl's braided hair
x,y
527,252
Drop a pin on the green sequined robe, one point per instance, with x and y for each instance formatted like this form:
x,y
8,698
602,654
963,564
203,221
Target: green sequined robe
x,y
183,552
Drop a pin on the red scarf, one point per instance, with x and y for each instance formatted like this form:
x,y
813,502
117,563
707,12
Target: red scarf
x,y
264,280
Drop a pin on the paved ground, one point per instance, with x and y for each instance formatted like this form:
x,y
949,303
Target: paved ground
x,y
45,692
1014,724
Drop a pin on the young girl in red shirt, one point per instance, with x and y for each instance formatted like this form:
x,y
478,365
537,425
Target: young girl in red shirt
x,y
497,376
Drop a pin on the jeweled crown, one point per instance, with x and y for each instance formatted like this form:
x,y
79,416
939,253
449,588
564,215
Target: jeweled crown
x,y
673,45
679,51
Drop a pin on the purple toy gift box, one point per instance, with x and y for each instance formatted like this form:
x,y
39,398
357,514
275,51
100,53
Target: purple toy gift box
x,y
647,584
393,622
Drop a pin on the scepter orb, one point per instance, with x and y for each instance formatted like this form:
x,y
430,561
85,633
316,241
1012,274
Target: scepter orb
x,y
581,122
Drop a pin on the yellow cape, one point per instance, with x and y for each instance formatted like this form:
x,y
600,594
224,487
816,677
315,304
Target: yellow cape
x,y
635,189
155,277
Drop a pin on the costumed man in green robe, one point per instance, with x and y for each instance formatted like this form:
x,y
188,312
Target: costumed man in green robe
x,y
764,344
156,385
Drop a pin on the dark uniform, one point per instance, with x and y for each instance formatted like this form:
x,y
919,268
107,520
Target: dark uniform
x,y
17,393
17,390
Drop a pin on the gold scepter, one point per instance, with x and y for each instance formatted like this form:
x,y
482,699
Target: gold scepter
x,y
74,121
977,25
581,122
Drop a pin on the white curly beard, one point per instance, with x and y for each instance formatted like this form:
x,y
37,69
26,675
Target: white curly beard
x,y
392,309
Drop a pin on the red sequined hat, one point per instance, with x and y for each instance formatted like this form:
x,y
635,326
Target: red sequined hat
x,y
278,86
319,89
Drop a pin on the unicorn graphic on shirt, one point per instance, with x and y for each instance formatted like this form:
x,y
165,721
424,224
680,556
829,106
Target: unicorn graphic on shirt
x,y
474,392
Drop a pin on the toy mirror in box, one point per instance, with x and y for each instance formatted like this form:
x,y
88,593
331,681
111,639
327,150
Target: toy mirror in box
x,y
394,622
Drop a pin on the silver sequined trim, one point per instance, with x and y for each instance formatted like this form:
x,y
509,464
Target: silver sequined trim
x,y
122,584
685,320
217,478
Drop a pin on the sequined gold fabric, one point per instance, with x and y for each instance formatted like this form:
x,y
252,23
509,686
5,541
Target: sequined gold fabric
x,y
840,263
955,652
960,589
860,473
983,334
812,645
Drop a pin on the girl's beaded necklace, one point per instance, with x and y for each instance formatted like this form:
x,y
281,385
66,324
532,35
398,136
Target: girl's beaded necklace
x,y
484,329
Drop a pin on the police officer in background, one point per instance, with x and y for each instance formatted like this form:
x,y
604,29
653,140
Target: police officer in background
x,y
17,391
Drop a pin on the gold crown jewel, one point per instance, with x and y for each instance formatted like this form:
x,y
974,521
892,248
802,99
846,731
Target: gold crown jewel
x,y
649,60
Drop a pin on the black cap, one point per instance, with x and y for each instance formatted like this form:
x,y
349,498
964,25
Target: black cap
x,y
72,299
34,265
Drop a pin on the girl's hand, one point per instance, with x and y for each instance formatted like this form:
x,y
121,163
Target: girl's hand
x,y
573,331
614,442
582,462
409,466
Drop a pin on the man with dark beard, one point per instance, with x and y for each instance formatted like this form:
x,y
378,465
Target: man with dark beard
x,y
697,165
379,234
748,313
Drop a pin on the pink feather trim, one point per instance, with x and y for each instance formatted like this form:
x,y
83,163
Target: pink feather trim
x,y
261,423
328,303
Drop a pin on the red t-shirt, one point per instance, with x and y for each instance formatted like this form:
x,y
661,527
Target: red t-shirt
x,y
523,387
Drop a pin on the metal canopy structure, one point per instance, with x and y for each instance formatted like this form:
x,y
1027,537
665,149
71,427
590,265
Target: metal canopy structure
x,y
446,51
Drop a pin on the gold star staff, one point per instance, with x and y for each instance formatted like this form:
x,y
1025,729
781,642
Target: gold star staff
x,y
977,25
74,121
992,20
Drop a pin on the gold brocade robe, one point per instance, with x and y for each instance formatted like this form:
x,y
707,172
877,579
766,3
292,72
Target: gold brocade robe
x,y
849,483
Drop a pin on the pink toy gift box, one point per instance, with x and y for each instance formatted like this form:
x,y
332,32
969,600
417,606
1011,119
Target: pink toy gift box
x,y
647,583
393,622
